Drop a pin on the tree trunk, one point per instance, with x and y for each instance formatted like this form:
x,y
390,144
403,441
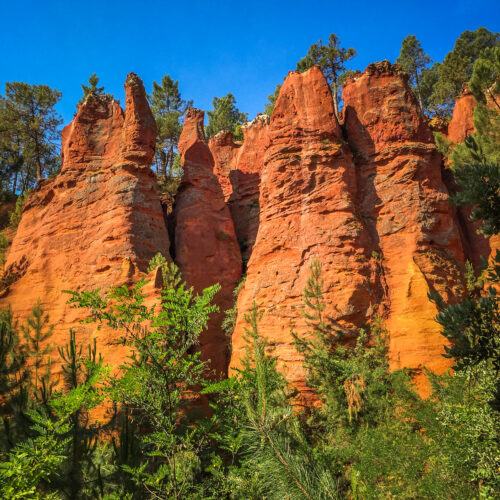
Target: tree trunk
x,y
38,161
170,159
163,163
38,170
335,103
14,186
419,95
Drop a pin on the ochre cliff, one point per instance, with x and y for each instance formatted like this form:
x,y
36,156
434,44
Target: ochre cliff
x,y
206,248
366,198
307,211
403,200
462,121
96,224
238,168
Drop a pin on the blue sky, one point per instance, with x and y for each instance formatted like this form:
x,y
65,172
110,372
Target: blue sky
x,y
212,47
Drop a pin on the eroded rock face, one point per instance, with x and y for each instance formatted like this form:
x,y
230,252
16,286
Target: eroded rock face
x,y
403,201
97,224
206,248
462,121
307,211
238,168
366,199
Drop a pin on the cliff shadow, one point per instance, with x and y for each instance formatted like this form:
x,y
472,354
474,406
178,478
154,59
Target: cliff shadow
x,y
244,206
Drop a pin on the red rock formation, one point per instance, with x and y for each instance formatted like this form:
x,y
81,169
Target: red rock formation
x,y
96,224
462,122
403,200
225,153
307,212
206,248
238,169
373,210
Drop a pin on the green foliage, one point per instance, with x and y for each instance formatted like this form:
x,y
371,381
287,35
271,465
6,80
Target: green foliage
x,y
92,88
485,79
457,67
269,456
13,376
168,108
30,131
331,59
36,332
480,187
16,216
483,148
33,464
4,245
473,327
225,116
170,273
268,110
163,368
367,435
413,60
229,321
379,437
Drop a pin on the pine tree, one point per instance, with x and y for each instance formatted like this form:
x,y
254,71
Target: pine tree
x,y
414,60
158,380
168,108
37,332
457,67
225,116
331,59
92,88
31,114
13,380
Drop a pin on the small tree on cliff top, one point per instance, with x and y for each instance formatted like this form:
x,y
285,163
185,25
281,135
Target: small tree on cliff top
x,y
92,88
331,58
225,116
413,60
168,107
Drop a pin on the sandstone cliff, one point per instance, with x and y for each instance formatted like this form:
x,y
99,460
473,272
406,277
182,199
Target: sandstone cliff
x,y
307,211
403,200
95,225
206,248
366,198
462,121
238,168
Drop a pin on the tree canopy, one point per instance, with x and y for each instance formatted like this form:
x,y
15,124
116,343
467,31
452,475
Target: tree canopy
x,y
414,60
29,135
332,59
168,108
225,116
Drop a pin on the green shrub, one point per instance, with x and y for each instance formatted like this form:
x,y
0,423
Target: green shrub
x,y
16,215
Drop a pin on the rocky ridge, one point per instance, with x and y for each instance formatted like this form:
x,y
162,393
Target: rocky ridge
x,y
366,197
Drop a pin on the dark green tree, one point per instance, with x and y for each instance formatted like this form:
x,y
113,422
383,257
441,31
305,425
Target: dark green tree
x,y
13,381
225,116
158,381
11,158
31,469
456,69
168,108
485,79
37,332
413,60
32,115
332,59
92,87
